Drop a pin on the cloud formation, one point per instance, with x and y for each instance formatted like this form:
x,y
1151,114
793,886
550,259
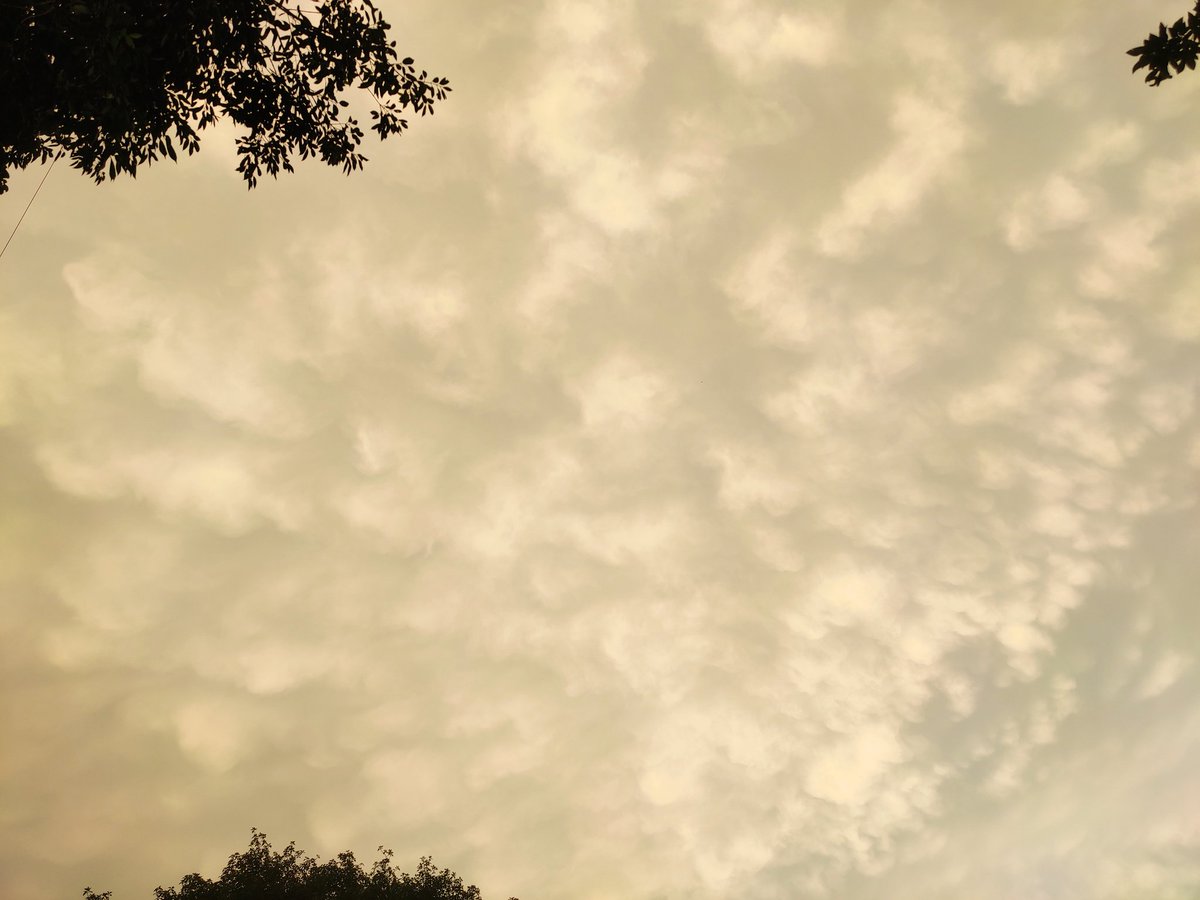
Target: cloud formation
x,y
710,459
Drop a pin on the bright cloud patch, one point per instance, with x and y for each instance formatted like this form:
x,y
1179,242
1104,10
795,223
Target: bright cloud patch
x,y
928,137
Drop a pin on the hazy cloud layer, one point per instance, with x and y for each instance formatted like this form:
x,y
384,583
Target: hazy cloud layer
x,y
732,449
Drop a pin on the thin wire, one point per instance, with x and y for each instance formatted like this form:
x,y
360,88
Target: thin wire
x,y
30,203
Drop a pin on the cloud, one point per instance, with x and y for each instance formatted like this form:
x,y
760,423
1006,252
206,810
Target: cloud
x,y
753,37
1027,69
929,136
1059,204
621,394
593,60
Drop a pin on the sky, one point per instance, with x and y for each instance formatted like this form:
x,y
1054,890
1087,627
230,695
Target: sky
x,y
735,448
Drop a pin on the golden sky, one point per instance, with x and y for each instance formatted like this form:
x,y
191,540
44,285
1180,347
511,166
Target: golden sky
x,y
734,449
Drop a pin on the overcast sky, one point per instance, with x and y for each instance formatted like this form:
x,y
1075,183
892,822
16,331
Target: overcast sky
x,y
734,449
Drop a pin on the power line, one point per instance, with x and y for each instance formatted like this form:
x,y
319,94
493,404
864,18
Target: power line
x,y
30,203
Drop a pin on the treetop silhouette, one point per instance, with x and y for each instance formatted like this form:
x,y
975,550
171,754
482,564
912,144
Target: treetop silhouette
x,y
114,84
259,873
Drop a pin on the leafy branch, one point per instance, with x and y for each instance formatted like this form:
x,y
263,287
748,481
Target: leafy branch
x,y
1176,47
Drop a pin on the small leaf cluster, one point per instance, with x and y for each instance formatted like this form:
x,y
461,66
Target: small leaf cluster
x,y
259,873
1176,47
115,84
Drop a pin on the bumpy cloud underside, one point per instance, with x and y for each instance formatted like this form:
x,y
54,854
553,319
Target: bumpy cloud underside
x,y
733,449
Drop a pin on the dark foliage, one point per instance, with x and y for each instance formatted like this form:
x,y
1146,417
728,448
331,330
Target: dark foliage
x,y
1176,47
114,84
260,874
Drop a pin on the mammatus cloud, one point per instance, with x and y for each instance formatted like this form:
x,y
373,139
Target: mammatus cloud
x,y
1026,70
928,136
756,38
716,461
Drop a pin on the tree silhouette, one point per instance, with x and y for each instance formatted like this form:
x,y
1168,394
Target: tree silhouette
x,y
1176,47
260,874
118,83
